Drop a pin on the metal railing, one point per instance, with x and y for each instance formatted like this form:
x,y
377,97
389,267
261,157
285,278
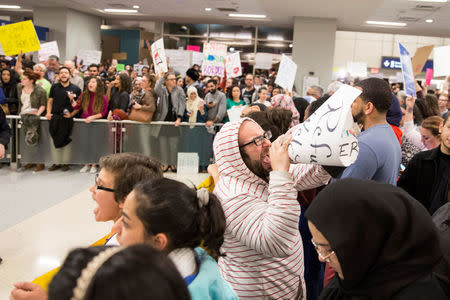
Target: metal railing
x,y
90,141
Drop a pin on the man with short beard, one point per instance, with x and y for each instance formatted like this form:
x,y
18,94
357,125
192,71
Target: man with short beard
x,y
257,187
379,154
216,103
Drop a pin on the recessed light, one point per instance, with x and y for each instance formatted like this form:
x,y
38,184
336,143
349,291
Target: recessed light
x,y
247,16
291,45
10,6
208,8
231,49
136,6
429,20
386,23
114,10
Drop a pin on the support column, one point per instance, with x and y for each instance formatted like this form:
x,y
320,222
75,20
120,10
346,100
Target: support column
x,y
313,49
73,30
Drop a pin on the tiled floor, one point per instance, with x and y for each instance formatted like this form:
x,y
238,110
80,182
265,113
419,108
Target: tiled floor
x,y
43,216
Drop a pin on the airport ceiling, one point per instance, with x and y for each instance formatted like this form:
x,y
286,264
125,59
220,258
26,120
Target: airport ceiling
x,y
350,14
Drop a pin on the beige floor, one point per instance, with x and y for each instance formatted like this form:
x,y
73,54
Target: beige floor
x,y
41,242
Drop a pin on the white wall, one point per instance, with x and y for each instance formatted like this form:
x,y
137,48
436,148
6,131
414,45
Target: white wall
x,y
55,19
83,32
370,47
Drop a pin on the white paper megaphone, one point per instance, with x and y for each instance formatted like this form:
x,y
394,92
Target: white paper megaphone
x,y
325,138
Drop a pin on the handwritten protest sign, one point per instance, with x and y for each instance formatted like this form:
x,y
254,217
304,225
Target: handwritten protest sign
x,y
263,61
286,73
407,72
47,49
89,56
442,61
214,59
179,60
19,37
420,58
428,76
120,67
233,65
234,113
159,56
197,58
138,68
325,138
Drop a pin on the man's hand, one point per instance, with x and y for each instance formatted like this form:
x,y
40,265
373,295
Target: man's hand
x,y
279,156
209,123
177,122
48,116
27,291
2,151
211,105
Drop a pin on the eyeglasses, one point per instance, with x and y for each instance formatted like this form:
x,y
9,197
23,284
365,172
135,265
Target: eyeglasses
x,y
99,187
259,140
325,257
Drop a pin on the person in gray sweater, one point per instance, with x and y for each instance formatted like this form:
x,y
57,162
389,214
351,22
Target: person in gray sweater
x,y
172,100
216,103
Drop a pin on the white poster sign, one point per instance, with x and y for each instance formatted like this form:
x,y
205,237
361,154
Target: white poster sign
x,y
187,163
286,73
309,81
138,68
214,59
89,57
357,69
325,137
179,60
197,58
263,61
234,113
233,65
159,56
441,61
47,49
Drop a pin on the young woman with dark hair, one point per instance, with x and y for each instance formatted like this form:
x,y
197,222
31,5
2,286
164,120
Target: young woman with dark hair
x,y
139,272
8,83
118,94
176,219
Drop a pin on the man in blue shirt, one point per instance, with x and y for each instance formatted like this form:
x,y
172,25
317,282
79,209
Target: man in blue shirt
x,y
379,154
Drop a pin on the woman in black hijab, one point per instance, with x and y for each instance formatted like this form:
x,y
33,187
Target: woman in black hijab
x,y
380,241
8,82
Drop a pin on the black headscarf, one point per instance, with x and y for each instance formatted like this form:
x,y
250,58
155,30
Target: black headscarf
x,y
383,238
9,87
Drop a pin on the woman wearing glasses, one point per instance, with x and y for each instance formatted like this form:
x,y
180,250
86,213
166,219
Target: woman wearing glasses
x,y
380,241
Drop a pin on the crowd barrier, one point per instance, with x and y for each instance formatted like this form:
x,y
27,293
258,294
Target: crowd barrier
x,y
90,141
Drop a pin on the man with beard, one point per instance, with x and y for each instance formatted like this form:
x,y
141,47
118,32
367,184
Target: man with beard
x,y
216,103
257,187
59,107
379,154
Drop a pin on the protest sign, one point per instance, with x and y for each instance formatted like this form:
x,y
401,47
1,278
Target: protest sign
x,y
357,69
214,59
286,73
234,113
309,81
159,56
120,67
179,60
407,72
138,68
263,61
428,76
19,37
89,57
187,163
420,58
233,65
47,49
193,48
197,58
325,138
442,61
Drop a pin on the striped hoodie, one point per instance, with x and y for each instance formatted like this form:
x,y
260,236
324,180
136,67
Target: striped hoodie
x,y
263,248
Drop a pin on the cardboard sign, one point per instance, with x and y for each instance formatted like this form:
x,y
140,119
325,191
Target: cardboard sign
x,y
120,55
47,49
407,72
193,48
19,37
420,58
138,68
187,163
286,73
442,61
159,56
89,57
233,65
214,59
357,69
263,61
325,138
179,60
428,76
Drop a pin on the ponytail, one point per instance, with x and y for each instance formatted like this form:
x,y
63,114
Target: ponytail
x,y
188,217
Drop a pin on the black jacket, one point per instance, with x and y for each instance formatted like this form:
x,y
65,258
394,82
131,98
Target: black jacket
x,y
419,177
4,129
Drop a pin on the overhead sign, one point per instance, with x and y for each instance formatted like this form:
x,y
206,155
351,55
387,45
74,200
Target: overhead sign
x,y
389,62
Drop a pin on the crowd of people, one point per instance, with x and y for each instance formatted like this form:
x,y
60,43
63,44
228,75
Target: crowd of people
x,y
265,228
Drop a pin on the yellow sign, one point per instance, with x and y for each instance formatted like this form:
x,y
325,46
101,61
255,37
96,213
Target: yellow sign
x,y
18,37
